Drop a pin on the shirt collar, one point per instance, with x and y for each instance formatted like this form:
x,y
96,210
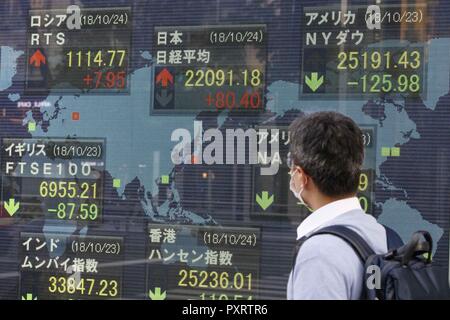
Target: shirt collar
x,y
327,213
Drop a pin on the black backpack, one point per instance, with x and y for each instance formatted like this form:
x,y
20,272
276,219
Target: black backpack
x,y
403,273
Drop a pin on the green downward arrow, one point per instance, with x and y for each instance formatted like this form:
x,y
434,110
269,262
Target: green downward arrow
x,y
314,82
11,206
264,201
157,295
29,296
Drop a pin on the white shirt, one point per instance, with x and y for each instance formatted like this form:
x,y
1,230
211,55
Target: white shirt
x,y
326,266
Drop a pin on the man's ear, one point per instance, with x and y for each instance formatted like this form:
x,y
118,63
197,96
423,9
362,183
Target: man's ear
x,y
304,178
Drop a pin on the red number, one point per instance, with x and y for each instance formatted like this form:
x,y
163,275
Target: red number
x,y
121,79
227,100
220,100
252,100
110,79
255,100
98,79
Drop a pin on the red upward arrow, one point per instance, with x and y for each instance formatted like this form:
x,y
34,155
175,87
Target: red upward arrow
x,y
164,77
37,58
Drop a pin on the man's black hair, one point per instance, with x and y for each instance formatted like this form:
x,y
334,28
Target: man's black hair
x,y
329,147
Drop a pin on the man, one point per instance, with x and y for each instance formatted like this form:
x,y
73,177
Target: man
x,y
326,155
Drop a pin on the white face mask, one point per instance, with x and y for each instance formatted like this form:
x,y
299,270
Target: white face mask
x,y
298,194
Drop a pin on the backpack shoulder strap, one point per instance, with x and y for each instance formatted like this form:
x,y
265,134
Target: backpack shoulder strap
x,y
359,245
393,239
